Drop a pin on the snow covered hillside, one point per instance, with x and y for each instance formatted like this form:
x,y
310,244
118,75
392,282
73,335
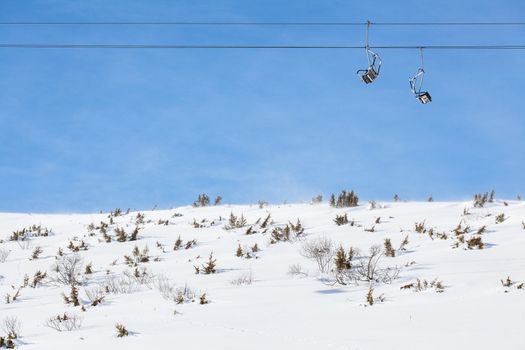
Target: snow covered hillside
x,y
451,278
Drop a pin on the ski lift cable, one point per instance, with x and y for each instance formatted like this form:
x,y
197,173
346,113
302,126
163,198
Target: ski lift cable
x,y
249,23
232,46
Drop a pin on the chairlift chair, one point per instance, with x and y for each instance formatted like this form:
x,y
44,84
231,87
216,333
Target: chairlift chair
x,y
369,74
422,96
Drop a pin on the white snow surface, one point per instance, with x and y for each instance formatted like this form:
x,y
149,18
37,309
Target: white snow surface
x,y
279,310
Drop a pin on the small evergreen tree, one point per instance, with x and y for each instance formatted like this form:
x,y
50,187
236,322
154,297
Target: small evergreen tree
x,y
389,251
238,253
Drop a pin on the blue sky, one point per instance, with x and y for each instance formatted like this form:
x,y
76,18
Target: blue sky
x,y
84,130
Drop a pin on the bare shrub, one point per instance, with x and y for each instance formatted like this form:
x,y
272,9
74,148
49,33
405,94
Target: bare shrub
x,y
500,218
12,327
297,270
68,270
4,254
421,285
370,229
9,298
367,269
321,250
184,294
24,244
141,275
165,287
95,295
244,279
121,284
65,322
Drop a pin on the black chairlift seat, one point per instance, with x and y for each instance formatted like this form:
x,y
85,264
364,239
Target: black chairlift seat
x,y
424,97
368,75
